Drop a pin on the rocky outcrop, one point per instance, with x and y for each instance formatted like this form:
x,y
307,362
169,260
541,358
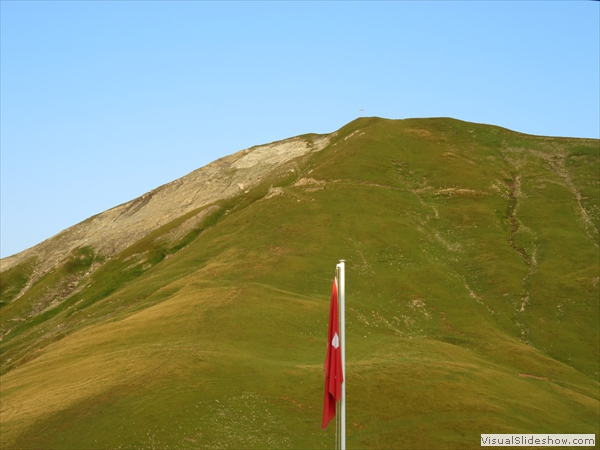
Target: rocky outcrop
x,y
112,231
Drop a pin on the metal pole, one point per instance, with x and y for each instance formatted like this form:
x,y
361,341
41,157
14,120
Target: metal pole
x,y
342,304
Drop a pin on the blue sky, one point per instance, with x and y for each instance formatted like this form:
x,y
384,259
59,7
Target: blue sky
x,y
104,101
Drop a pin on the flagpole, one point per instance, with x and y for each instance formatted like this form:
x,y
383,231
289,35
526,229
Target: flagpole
x,y
342,305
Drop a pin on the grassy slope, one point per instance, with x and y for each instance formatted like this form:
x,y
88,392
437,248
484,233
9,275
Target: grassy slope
x,y
472,258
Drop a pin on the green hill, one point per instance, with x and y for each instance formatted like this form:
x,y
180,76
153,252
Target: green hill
x,y
472,298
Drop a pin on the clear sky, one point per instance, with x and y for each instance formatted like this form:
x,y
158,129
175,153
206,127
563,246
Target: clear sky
x,y
104,101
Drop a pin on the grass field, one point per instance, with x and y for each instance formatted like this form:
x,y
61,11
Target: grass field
x,y
472,305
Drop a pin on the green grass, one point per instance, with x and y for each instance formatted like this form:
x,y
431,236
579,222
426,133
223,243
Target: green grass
x,y
460,288
13,280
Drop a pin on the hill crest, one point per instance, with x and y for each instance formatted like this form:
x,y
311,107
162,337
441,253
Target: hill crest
x,y
111,231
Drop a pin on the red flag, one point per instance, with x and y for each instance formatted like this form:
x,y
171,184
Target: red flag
x,y
333,362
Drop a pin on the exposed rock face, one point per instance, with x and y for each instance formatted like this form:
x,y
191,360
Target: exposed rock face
x,y
112,231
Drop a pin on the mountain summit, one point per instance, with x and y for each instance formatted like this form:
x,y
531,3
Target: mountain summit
x,y
195,316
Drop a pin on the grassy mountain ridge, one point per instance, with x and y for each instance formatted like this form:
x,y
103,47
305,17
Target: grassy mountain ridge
x,y
472,304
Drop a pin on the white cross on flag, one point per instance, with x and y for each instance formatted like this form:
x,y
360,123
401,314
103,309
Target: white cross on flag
x,y
335,341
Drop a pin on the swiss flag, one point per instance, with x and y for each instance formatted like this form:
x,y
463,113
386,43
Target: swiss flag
x,y
333,362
